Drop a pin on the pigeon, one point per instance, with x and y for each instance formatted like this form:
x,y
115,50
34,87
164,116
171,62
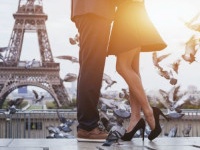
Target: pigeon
x,y
54,132
172,104
13,104
108,80
173,80
175,115
175,65
3,49
126,93
194,99
61,118
191,49
12,109
108,102
195,27
167,75
122,113
190,24
37,99
108,122
70,77
115,104
70,58
157,59
115,133
64,120
75,40
186,130
163,73
103,108
65,127
29,64
173,131
182,100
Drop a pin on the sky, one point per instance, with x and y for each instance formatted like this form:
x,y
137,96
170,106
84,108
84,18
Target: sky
x,y
167,16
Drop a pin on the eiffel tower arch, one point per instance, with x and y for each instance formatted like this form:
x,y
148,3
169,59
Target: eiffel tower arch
x,y
45,73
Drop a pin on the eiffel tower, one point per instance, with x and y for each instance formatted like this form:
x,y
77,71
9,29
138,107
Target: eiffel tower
x,y
45,73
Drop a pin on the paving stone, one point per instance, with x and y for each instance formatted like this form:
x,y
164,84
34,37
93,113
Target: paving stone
x,y
187,143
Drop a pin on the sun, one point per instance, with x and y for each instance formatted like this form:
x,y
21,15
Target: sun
x,y
165,13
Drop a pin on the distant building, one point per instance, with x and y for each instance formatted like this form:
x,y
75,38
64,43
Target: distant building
x,y
23,90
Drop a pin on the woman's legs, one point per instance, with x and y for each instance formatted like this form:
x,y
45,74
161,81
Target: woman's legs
x,y
135,105
128,68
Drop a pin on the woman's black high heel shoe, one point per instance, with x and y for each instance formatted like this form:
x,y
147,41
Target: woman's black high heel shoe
x,y
140,125
154,133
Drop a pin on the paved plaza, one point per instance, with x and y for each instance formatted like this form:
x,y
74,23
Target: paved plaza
x,y
182,143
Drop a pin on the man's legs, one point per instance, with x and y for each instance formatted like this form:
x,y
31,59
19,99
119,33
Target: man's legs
x,y
94,35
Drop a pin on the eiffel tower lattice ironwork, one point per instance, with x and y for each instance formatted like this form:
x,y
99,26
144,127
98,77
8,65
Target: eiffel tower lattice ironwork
x,y
45,73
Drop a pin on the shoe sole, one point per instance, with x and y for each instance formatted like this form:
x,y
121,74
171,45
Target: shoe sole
x,y
91,140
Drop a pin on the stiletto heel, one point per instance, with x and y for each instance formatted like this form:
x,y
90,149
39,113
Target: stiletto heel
x,y
154,133
140,125
143,130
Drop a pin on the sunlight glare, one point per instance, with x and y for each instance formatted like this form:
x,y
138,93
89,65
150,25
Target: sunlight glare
x,y
170,12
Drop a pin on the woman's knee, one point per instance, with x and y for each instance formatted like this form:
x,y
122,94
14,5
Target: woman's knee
x,y
121,67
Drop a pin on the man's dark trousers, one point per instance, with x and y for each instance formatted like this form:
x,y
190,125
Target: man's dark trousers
x,y
92,57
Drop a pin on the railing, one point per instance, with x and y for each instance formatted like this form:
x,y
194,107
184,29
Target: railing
x,y
32,124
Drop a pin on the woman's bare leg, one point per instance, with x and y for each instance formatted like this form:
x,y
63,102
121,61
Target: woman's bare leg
x,y
135,112
128,68
135,105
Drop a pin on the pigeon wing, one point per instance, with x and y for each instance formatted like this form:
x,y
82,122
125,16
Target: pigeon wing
x,y
107,78
160,58
35,93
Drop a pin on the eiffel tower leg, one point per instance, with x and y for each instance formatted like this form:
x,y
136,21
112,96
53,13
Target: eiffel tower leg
x,y
62,94
2,99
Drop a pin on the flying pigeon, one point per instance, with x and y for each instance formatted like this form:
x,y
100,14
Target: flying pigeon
x,y
37,98
108,80
172,104
157,59
3,49
15,102
70,77
75,40
29,64
191,25
163,73
175,65
70,58
191,49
